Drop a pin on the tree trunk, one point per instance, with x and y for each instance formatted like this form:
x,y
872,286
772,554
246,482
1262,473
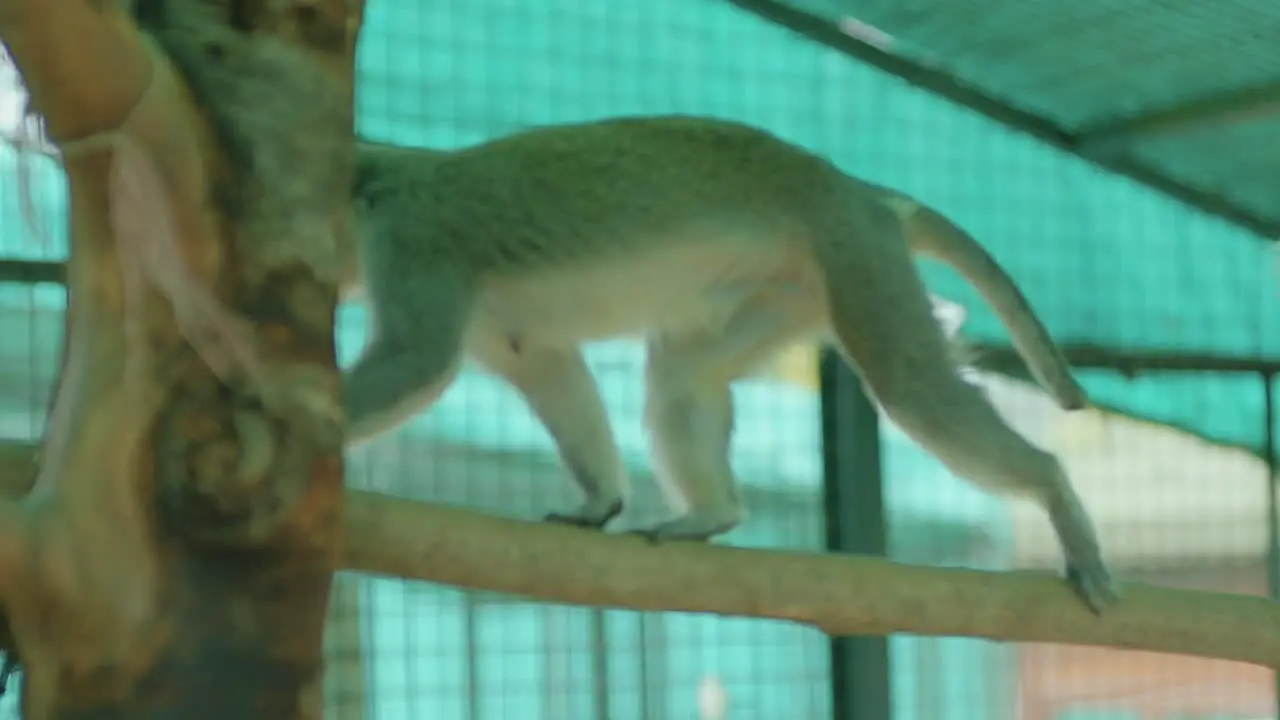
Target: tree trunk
x,y
174,556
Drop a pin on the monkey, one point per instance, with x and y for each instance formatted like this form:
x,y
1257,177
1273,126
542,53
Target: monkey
x,y
717,244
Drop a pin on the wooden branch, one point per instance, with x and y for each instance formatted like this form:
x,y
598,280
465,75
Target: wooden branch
x,y
842,595
15,546
17,468
61,48
181,532
1129,363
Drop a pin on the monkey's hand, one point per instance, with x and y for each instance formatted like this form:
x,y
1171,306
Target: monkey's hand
x,y
1086,571
694,526
595,513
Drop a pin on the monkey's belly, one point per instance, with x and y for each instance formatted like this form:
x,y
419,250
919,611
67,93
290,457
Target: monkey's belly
x,y
672,292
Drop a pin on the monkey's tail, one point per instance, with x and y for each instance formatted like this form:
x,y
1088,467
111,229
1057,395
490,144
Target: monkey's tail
x,y
930,233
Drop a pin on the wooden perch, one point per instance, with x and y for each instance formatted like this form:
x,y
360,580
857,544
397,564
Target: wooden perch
x,y
842,595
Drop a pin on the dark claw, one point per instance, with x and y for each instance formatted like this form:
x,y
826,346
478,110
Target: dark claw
x,y
574,521
1086,571
656,536
1097,589
583,521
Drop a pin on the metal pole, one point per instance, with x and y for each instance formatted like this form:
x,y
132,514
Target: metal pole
x,y
1272,458
473,658
600,663
855,522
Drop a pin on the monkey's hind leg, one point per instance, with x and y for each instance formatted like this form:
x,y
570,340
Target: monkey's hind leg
x,y
413,357
559,388
689,412
880,313
690,429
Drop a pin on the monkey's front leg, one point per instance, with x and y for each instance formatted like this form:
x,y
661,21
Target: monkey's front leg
x,y
419,322
392,381
559,389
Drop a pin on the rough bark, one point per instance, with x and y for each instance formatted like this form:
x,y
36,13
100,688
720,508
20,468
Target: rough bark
x,y
842,595
174,554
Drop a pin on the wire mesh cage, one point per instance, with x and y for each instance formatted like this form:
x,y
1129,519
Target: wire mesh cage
x,y
1176,464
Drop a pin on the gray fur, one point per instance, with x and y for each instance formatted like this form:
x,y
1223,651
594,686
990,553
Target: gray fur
x,y
718,244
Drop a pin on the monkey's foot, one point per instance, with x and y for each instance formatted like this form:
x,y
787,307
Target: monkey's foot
x,y
590,514
692,527
1086,571
1094,585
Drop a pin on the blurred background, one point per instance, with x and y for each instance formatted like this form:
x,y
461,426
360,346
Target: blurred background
x,y
1120,159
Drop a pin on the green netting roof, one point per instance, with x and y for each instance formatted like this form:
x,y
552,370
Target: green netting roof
x,y
1184,91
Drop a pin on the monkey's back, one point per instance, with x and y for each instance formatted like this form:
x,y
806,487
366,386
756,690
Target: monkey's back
x,y
677,216
607,187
